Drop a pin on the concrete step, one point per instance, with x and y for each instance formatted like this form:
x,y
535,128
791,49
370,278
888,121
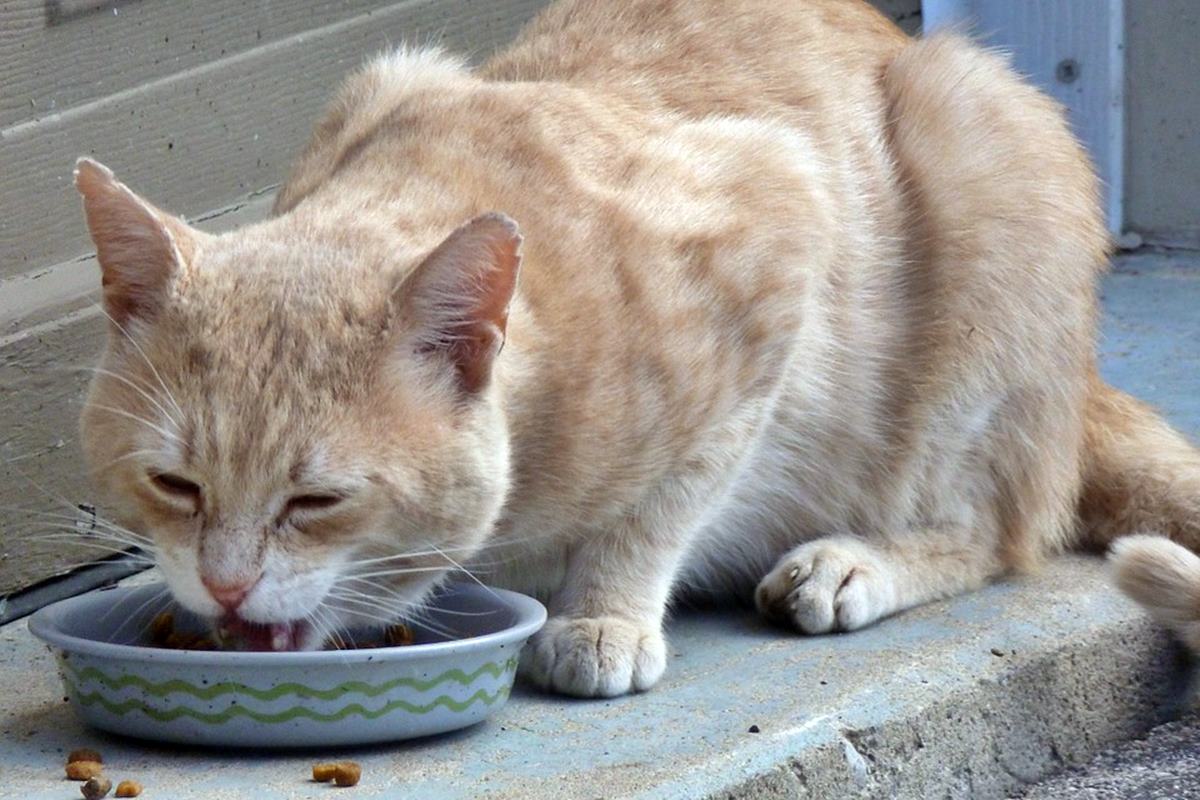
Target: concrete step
x,y
975,697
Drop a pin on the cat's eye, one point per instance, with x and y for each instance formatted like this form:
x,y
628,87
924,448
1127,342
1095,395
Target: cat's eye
x,y
176,487
312,503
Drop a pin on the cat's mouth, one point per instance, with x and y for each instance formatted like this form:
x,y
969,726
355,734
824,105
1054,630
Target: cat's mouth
x,y
265,636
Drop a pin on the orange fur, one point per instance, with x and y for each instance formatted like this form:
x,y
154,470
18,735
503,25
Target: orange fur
x,y
802,304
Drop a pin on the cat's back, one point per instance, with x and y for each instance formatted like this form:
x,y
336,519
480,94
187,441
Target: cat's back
x,y
701,57
806,73
586,83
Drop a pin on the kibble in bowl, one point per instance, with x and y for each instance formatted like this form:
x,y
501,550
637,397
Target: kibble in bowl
x,y
162,632
451,673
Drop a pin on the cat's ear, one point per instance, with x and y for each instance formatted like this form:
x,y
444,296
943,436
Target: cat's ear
x,y
141,249
456,301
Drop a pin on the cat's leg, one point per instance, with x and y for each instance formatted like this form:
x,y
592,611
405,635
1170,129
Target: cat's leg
x,y
842,583
604,636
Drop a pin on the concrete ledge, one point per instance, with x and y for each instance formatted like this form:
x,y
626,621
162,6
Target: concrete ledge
x,y
973,697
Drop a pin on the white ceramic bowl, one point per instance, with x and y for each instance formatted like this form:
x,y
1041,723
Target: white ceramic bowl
x,y
320,699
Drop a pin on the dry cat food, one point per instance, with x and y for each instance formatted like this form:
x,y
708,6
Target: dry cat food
x,y
399,635
85,764
343,773
83,770
163,634
128,789
323,773
347,774
96,788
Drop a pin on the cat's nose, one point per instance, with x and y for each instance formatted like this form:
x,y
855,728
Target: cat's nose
x,y
229,595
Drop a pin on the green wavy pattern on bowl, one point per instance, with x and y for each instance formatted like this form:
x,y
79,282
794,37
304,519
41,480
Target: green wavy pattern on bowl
x,y
91,674
216,718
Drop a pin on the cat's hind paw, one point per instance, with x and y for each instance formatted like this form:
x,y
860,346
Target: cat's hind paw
x,y
833,584
595,656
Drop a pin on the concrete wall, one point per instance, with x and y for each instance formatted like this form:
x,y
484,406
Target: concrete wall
x,y
200,105
1162,183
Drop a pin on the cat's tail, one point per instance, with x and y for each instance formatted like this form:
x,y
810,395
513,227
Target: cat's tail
x,y
1165,578
1142,477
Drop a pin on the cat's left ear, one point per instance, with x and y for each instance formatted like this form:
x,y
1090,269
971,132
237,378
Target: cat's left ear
x,y
457,300
141,249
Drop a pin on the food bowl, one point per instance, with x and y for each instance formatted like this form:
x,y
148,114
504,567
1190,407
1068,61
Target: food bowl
x,y
459,671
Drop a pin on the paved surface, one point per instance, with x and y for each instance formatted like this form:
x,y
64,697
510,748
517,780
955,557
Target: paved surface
x,y
977,697
970,698
1165,765
1152,347
1151,336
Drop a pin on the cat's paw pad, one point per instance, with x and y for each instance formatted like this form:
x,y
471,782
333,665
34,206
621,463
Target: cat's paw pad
x,y
595,656
828,585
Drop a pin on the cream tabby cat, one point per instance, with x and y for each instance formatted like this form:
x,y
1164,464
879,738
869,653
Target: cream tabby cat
x,y
805,312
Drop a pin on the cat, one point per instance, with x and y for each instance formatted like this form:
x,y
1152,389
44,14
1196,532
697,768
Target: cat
x,y
766,302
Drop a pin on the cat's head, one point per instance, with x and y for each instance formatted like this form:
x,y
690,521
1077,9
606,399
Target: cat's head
x,y
303,417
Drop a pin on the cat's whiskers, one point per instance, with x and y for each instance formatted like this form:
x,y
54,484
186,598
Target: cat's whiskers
x,y
149,363
326,627
94,519
130,383
120,412
326,630
74,530
393,593
87,552
392,609
133,555
466,572
400,571
347,630
120,530
158,595
145,451
57,498
81,517
64,531
424,553
384,588
419,613
388,613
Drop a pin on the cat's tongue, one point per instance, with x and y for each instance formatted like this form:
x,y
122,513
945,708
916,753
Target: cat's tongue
x,y
277,636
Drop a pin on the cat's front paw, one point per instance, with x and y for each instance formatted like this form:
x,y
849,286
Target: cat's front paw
x,y
595,656
834,584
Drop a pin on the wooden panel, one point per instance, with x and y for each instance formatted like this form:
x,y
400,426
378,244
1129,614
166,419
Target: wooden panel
x,y
194,139
42,297
39,449
55,54
1074,51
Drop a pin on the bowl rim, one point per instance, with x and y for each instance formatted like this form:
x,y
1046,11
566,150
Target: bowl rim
x,y
45,624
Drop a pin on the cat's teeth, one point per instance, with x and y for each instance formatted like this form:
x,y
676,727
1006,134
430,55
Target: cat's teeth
x,y
281,636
